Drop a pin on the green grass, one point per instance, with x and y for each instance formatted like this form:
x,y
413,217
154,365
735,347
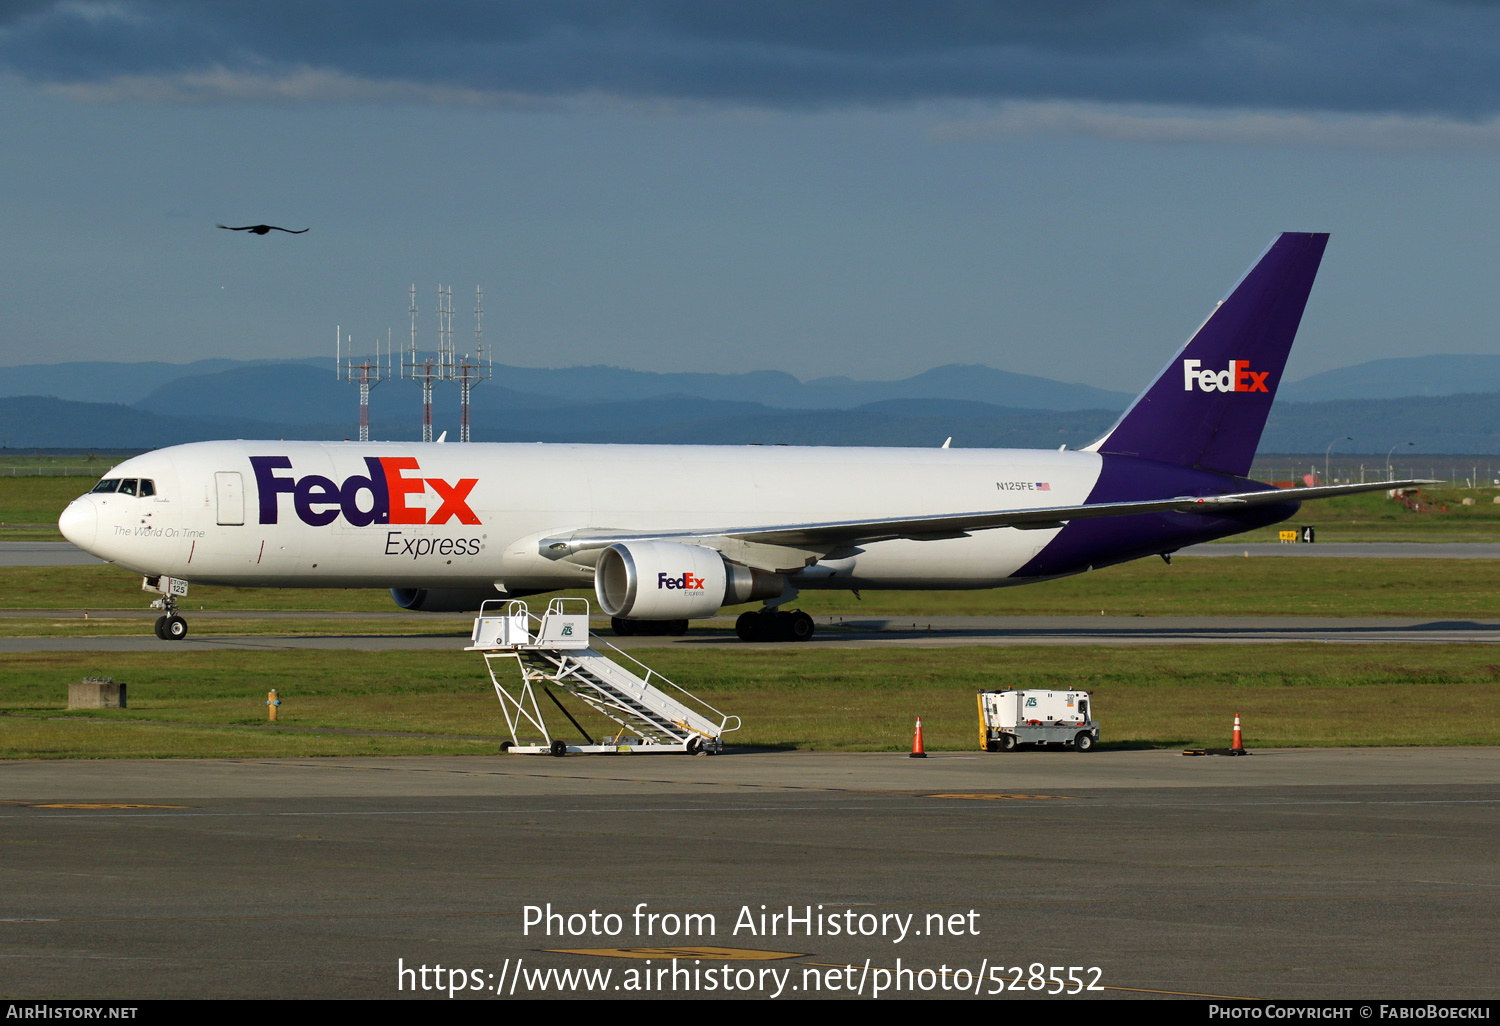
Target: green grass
x,y
22,738
1371,517
108,587
852,700
1259,586
414,625
30,506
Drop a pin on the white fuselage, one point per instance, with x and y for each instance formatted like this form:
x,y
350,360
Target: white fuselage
x,y
499,500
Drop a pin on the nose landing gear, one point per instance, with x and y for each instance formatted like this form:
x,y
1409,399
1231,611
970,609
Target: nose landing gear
x,y
169,627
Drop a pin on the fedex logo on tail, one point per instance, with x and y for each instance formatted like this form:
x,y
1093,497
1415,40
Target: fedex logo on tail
x,y
378,497
1238,378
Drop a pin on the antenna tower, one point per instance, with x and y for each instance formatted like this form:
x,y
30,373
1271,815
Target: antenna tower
x,y
468,371
426,369
445,364
445,329
367,373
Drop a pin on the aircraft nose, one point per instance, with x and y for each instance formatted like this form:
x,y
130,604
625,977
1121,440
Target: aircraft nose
x,y
79,523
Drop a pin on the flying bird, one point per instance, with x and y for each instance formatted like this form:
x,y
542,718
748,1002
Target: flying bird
x,y
261,229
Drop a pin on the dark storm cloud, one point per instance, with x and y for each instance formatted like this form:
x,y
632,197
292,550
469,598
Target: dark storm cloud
x,y
1408,56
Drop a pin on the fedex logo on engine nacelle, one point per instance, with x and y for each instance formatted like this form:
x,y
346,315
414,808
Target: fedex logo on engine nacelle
x,y
1238,378
379,498
687,582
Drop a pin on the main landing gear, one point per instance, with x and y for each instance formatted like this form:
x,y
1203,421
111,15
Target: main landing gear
x,y
774,625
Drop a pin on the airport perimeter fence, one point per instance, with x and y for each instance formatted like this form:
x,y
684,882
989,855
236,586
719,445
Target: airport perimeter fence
x,y
50,471
1457,470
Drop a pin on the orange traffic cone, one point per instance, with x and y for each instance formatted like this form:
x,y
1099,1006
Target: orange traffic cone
x,y
916,743
1239,742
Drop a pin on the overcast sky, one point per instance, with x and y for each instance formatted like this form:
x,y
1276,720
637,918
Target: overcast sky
x,y
865,188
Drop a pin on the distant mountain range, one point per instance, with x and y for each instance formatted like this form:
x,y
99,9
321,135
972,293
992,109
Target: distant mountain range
x,y
299,385
1398,378
1447,424
145,405
248,382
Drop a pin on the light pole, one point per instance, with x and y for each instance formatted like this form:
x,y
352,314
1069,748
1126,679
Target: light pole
x,y
1388,475
1327,451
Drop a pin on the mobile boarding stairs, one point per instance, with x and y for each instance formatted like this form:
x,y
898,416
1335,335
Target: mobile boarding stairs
x,y
556,648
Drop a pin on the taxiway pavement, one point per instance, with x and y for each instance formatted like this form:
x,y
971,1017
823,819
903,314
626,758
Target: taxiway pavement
x,y
865,632
1348,550
43,553
1289,873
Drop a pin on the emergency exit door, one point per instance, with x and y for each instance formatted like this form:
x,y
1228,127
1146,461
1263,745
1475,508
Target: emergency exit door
x,y
231,490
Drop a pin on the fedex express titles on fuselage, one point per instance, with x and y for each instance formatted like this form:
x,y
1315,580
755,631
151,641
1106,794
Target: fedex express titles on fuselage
x,y
392,515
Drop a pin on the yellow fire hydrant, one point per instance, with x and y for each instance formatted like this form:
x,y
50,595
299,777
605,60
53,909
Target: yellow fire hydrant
x,y
271,703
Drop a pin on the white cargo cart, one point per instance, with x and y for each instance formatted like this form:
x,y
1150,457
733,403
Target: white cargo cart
x,y
1011,718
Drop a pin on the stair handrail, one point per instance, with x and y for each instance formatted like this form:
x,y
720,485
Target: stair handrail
x,y
559,606
513,607
651,675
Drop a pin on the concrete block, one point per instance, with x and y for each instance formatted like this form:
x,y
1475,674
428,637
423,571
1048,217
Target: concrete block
x,y
96,694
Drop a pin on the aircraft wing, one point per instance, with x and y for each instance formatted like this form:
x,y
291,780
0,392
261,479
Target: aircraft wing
x,y
953,525
817,539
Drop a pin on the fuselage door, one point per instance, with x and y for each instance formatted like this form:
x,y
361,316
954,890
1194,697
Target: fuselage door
x,y
231,489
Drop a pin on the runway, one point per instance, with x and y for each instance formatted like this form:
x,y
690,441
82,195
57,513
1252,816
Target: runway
x,y
1172,876
35,553
452,633
61,553
1349,550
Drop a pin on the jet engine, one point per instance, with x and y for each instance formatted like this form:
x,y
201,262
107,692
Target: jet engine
x,y
443,600
671,581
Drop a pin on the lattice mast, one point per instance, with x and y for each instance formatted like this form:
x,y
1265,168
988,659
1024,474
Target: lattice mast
x,y
445,329
424,369
469,371
367,373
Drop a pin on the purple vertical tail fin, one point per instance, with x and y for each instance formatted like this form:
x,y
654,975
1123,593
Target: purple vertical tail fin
x,y
1207,409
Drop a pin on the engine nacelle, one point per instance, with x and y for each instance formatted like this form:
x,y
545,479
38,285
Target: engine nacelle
x,y
672,581
443,600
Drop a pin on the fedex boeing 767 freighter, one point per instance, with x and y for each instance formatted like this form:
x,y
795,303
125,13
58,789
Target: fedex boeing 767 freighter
x,y
670,533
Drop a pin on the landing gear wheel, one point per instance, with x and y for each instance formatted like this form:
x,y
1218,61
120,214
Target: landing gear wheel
x,y
1084,742
175,629
161,627
1007,742
774,625
559,748
800,627
622,627
676,628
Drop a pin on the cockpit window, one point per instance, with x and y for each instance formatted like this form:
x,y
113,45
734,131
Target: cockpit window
x,y
147,488
128,486
109,484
